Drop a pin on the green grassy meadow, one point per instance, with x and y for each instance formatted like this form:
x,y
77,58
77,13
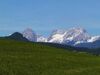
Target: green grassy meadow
x,y
26,58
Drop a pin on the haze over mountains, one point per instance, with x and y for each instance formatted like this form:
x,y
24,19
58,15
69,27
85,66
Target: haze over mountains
x,y
77,37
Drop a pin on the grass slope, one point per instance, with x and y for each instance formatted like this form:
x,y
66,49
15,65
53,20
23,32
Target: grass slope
x,y
23,58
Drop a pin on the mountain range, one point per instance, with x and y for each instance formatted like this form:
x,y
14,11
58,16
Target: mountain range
x,y
77,37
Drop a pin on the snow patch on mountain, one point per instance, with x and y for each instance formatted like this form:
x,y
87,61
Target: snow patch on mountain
x,y
79,42
94,38
57,38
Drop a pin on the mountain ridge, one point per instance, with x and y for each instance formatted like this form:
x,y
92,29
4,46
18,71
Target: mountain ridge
x,y
77,37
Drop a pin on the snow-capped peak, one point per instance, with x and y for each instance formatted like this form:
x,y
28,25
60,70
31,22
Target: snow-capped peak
x,y
77,34
70,35
29,34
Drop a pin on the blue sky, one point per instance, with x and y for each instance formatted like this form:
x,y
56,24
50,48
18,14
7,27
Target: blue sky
x,y
43,16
